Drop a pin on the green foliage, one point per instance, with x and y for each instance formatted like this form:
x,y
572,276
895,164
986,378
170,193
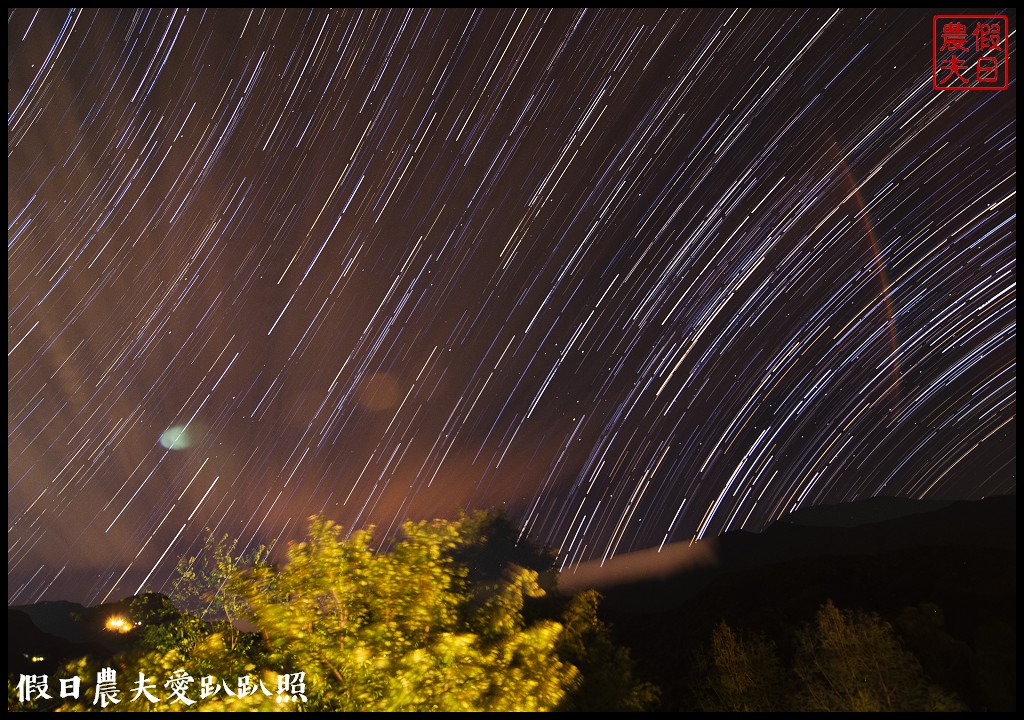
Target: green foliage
x,y
610,682
842,661
742,674
404,630
852,661
491,542
922,628
437,623
202,586
163,627
207,657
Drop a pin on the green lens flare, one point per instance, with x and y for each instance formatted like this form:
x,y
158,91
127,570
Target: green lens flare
x,y
176,438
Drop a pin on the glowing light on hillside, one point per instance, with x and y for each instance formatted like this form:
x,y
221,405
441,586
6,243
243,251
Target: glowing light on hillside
x,y
119,624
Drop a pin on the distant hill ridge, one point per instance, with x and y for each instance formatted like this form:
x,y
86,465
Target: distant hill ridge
x,y
863,528
862,512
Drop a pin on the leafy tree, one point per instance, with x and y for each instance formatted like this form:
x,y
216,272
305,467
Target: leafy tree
x,y
610,682
922,629
202,585
208,658
491,543
163,627
843,661
741,673
403,630
435,623
852,661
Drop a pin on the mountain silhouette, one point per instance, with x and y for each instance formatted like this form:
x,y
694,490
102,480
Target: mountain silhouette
x,y
959,559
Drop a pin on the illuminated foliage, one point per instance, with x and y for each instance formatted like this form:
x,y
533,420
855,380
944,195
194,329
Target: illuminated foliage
x,y
610,682
201,584
435,623
404,630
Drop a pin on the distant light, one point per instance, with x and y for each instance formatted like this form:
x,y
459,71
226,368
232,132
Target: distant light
x,y
176,438
118,624
37,658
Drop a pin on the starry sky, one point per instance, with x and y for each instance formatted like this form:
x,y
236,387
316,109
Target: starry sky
x,y
633,276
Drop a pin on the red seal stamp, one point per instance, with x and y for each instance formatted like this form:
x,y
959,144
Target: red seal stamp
x,y
970,52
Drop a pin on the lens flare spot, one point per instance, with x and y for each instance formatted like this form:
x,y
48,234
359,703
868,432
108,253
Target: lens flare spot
x,y
176,438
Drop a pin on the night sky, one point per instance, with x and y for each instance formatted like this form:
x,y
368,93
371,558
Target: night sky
x,y
634,277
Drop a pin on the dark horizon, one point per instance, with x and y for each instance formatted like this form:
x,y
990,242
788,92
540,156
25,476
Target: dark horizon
x,y
633,276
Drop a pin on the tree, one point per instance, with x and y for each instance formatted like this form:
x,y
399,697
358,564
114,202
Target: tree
x,y
741,673
852,661
609,678
201,583
403,630
842,661
437,622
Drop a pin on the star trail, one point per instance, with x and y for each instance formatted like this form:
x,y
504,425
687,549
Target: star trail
x,y
636,277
